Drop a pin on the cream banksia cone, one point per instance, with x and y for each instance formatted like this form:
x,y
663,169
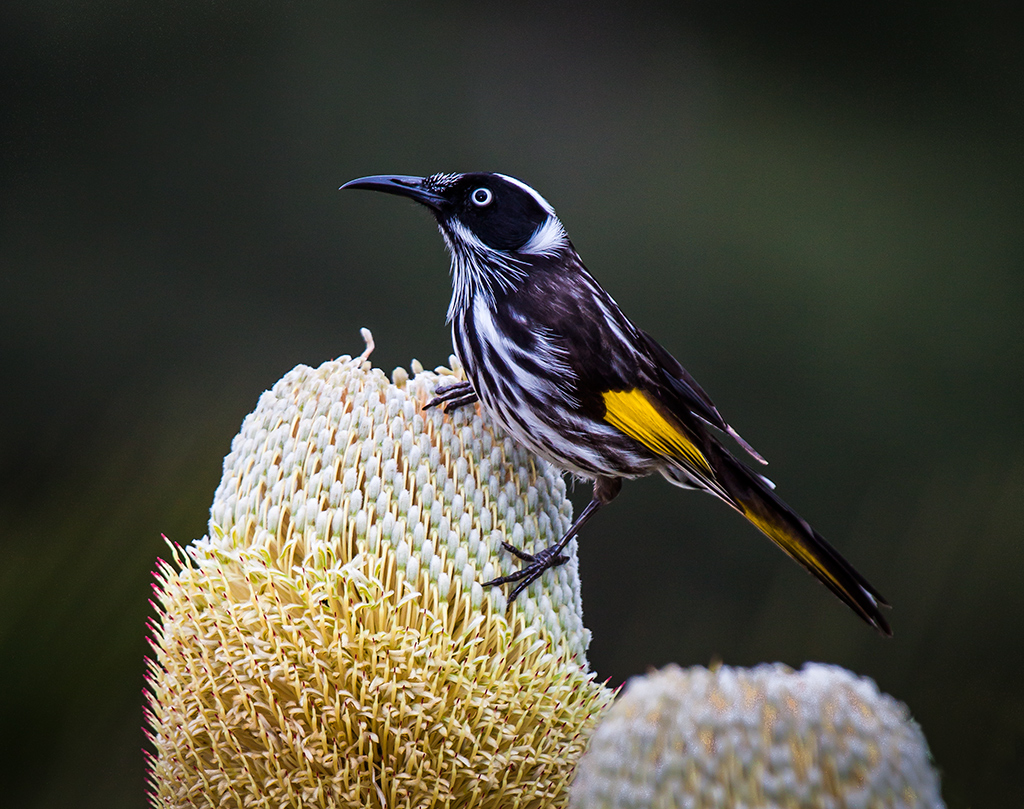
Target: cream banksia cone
x,y
771,737
329,643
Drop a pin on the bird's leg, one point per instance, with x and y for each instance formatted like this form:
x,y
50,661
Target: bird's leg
x,y
605,490
453,396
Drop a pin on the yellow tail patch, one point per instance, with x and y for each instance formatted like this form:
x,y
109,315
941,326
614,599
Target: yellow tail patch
x,y
793,544
633,412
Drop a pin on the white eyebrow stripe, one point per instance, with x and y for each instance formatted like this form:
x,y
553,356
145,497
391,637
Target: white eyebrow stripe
x,y
540,200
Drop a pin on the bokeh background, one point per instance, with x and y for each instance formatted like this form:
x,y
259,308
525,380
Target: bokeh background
x,y
818,207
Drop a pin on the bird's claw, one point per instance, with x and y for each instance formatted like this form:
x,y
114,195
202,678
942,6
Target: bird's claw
x,y
452,396
537,563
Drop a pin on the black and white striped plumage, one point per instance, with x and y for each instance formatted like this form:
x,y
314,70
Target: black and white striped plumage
x,y
555,361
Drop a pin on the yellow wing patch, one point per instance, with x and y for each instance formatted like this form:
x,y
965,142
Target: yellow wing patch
x,y
633,412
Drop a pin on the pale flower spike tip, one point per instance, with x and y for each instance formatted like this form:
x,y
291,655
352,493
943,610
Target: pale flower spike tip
x,y
766,737
329,643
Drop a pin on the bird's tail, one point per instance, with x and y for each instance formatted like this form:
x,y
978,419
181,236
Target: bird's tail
x,y
752,496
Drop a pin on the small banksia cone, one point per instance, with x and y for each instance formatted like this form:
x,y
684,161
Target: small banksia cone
x,y
329,643
767,737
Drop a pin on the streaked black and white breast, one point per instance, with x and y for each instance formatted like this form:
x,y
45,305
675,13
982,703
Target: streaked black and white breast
x,y
518,289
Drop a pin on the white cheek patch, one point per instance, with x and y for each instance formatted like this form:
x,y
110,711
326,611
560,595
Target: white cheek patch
x,y
547,240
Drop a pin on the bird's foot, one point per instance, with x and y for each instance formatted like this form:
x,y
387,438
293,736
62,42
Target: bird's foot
x,y
537,563
453,396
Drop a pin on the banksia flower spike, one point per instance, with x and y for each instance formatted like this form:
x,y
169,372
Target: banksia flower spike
x,y
762,737
329,643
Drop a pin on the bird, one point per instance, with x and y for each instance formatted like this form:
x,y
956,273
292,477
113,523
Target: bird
x,y
555,362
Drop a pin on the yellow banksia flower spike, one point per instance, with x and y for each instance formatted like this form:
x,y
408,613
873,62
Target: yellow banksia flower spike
x,y
766,737
328,643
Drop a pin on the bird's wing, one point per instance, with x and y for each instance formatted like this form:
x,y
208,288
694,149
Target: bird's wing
x,y
680,391
682,386
641,416
646,392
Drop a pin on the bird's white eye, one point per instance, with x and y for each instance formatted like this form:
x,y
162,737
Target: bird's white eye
x,y
481,197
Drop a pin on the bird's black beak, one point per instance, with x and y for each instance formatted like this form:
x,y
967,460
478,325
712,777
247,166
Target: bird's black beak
x,y
411,187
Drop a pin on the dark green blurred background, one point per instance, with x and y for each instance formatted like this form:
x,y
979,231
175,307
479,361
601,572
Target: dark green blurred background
x,y
819,208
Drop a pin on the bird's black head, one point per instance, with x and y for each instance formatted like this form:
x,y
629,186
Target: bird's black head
x,y
501,213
